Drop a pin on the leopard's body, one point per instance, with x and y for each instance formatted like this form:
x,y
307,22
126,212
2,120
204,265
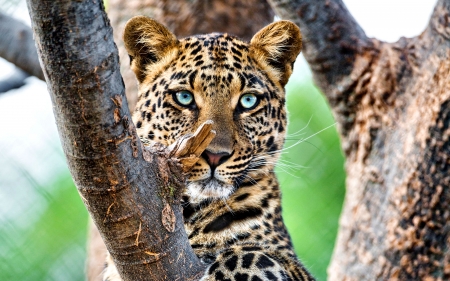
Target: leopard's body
x,y
232,205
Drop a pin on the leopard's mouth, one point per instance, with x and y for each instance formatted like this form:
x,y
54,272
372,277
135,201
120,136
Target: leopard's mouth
x,y
210,188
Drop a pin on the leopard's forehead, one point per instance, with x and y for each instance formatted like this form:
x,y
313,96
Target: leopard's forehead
x,y
223,49
216,65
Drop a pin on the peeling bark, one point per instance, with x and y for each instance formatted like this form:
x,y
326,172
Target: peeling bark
x,y
392,104
17,45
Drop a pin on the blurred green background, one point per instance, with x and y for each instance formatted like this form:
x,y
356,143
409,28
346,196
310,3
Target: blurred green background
x,y
311,173
43,223
51,247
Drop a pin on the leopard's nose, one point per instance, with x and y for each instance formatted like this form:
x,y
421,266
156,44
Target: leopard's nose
x,y
215,159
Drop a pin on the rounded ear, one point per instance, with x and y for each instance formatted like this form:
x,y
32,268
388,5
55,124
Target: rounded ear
x,y
278,45
147,42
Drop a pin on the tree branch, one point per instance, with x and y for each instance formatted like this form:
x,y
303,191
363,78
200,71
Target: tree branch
x,y
332,38
391,101
130,193
17,45
14,81
439,23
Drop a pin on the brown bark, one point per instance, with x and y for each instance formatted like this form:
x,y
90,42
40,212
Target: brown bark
x,y
132,193
392,104
17,45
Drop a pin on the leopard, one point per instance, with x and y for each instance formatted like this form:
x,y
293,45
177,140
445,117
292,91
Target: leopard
x,y
232,200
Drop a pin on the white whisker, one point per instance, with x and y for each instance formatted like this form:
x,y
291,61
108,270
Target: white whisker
x,y
253,181
305,139
224,200
299,141
287,172
299,132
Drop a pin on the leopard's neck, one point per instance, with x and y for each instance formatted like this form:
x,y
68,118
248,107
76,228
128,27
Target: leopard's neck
x,y
251,215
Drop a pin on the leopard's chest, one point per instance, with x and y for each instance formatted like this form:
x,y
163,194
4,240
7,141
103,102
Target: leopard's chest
x,y
251,216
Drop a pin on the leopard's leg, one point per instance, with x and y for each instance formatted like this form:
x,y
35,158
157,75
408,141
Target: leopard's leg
x,y
253,263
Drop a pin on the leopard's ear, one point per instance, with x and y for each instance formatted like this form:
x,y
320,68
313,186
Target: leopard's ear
x,y
278,45
147,42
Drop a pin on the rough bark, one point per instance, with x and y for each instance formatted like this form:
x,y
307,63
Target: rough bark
x,y
392,104
132,193
17,45
185,18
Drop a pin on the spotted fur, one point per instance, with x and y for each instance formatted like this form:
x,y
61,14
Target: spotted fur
x,y
232,207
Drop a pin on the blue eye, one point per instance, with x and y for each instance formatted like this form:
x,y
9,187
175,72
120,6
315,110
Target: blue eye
x,y
248,101
184,98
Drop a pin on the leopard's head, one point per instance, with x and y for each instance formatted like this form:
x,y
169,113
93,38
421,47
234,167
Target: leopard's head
x,y
237,85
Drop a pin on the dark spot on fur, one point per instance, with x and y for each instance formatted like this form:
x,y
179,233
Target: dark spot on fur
x,y
241,197
264,262
247,260
213,267
231,263
270,276
241,277
228,218
256,278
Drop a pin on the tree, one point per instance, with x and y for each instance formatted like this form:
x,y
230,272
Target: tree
x,y
391,102
17,45
113,172
392,105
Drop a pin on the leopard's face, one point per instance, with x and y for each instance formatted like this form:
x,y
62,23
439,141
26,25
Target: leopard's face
x,y
220,78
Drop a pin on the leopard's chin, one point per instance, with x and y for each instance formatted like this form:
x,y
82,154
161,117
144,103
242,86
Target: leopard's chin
x,y
209,189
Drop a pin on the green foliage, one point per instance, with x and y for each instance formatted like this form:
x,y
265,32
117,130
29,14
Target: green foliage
x,y
311,173
52,247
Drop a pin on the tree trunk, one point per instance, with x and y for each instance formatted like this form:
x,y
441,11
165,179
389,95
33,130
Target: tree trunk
x,y
126,188
392,104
